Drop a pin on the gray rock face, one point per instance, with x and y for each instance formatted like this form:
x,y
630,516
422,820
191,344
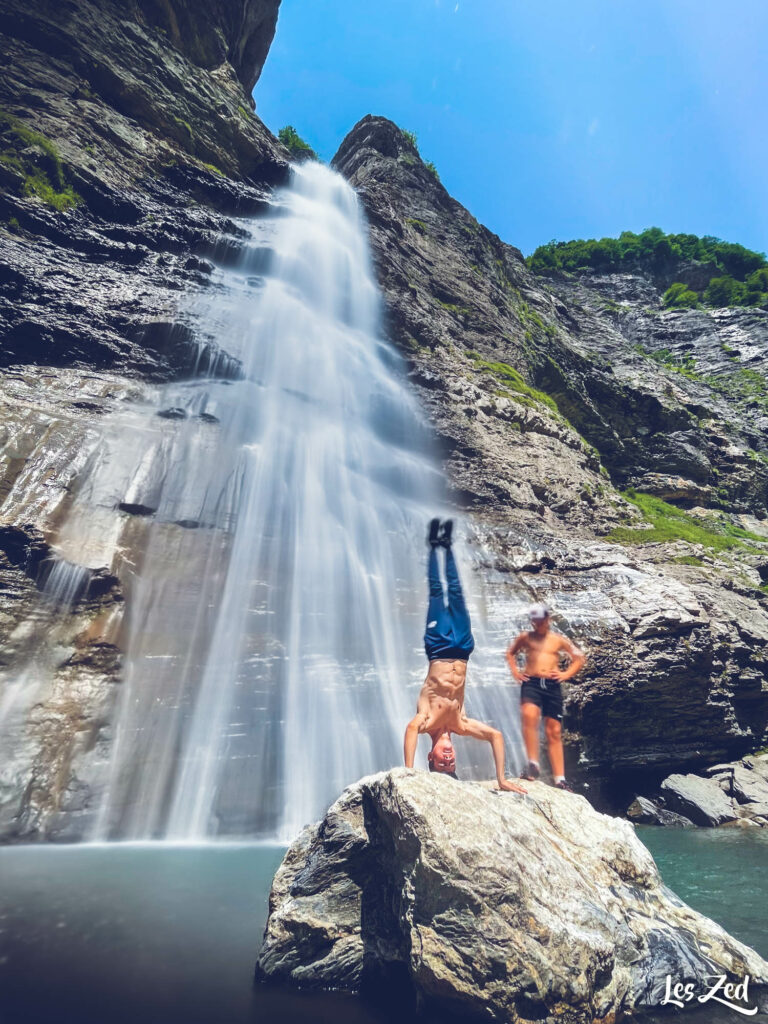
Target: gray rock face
x,y
676,634
702,800
145,105
487,903
237,31
744,784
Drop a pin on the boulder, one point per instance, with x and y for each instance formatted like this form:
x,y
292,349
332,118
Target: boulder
x,y
485,903
701,800
647,812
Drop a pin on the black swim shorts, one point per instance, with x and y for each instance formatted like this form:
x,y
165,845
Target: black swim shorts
x,y
546,694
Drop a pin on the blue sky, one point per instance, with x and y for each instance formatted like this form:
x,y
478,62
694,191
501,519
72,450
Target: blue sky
x,y
547,118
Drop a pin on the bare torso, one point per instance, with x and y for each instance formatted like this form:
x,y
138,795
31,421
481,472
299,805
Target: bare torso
x,y
542,653
441,700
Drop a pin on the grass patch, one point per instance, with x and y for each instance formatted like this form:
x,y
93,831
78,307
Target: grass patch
x,y
36,159
419,225
743,385
432,169
683,364
669,523
452,308
688,560
514,385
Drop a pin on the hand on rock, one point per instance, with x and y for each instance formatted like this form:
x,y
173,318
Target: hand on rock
x,y
510,787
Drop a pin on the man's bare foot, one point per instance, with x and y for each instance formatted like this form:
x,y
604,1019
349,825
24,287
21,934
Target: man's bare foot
x,y
510,787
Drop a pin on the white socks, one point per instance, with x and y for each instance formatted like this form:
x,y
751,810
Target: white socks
x,y
559,778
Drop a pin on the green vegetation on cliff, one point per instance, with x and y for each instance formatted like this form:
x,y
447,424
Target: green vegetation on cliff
x,y
669,523
412,138
680,296
513,384
35,162
739,278
296,146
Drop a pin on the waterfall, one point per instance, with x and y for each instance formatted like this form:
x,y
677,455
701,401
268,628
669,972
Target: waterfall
x,y
274,622
267,525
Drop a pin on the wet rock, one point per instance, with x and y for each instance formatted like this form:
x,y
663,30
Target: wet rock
x,y
675,633
148,109
550,911
646,812
700,799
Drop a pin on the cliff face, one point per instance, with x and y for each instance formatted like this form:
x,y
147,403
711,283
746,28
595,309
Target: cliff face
x,y
127,144
686,416
675,631
138,153
127,141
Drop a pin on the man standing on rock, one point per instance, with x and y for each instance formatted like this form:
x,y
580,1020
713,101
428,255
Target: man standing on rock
x,y
541,692
448,642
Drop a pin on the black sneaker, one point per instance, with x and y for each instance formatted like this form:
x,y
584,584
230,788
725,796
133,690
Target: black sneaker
x,y
531,773
562,784
446,534
433,538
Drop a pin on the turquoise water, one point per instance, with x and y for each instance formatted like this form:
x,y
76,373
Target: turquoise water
x,y
132,934
721,872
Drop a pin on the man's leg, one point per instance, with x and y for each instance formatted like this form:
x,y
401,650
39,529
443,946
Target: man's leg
x,y
554,734
530,715
437,632
462,627
480,731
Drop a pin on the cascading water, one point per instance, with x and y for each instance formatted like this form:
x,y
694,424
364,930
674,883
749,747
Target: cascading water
x,y
311,494
267,526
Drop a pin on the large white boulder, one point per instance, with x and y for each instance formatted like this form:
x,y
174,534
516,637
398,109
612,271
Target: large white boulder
x,y
513,907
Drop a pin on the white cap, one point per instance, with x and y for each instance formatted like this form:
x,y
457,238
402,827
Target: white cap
x,y
538,612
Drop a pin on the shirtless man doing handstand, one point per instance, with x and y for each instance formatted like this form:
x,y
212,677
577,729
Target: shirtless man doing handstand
x,y
448,642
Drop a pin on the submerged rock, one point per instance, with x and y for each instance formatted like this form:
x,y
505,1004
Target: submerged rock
x,y
486,903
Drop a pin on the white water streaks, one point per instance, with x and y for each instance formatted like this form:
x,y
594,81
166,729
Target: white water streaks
x,y
267,526
272,638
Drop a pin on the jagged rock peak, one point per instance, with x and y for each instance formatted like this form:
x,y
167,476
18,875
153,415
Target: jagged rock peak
x,y
374,132
374,137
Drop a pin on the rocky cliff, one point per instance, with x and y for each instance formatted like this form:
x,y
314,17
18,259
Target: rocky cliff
x,y
545,405
547,912
128,143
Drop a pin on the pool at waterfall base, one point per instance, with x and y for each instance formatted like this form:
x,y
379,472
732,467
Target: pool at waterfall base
x,y
163,934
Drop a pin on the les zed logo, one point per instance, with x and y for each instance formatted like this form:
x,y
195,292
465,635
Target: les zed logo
x,y
678,994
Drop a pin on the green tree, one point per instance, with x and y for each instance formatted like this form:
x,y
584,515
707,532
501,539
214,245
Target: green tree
x,y
296,146
680,296
725,291
654,249
757,288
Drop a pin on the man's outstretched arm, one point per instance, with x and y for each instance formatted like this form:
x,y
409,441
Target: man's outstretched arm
x,y
411,740
481,731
